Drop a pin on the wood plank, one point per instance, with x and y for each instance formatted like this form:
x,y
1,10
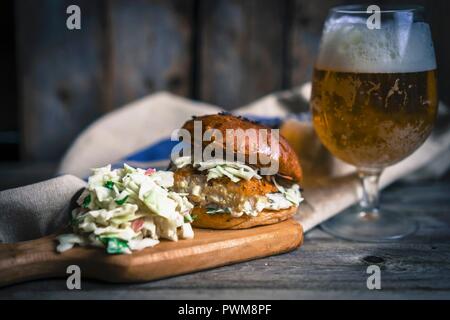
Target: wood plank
x,y
241,50
151,45
60,74
38,259
307,19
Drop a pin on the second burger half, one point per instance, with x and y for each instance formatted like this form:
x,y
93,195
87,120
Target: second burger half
x,y
236,194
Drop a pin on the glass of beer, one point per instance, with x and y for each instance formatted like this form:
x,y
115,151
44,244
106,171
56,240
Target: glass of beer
x,y
374,102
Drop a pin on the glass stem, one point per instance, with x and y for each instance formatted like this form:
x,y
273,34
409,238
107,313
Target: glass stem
x,y
369,202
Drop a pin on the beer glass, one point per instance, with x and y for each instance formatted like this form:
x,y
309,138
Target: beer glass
x,y
374,101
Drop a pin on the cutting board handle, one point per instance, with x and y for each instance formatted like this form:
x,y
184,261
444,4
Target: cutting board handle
x,y
29,260
38,258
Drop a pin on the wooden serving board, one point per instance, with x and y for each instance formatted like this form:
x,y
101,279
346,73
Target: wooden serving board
x,y
38,259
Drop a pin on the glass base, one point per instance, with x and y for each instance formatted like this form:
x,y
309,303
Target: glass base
x,y
387,225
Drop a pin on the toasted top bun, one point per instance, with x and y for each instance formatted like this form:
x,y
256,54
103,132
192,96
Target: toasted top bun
x,y
227,221
289,165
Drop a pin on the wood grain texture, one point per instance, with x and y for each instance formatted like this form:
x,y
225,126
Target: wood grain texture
x,y
68,78
324,267
38,259
305,30
60,74
151,48
241,52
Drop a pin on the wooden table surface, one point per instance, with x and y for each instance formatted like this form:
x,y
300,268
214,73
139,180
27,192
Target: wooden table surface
x,y
324,267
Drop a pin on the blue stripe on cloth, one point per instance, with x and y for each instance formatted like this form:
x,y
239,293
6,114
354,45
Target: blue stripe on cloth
x,y
158,151
272,122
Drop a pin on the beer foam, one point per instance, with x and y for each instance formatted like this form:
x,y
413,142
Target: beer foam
x,y
348,45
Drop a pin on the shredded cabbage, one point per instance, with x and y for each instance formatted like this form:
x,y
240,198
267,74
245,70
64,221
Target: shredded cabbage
x,y
128,209
292,194
284,199
217,168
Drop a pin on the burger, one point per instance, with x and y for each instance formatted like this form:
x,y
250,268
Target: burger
x,y
241,191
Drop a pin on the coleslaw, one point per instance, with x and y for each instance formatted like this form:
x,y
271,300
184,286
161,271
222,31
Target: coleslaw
x,y
128,209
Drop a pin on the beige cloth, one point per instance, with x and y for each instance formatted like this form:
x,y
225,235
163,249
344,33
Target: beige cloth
x,y
330,185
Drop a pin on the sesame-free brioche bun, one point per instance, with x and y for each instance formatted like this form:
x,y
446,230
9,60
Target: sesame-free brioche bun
x,y
227,221
289,166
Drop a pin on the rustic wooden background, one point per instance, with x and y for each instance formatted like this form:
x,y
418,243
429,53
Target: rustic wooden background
x,y
227,52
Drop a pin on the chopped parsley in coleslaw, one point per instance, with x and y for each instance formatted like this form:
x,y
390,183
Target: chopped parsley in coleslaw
x,y
128,209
